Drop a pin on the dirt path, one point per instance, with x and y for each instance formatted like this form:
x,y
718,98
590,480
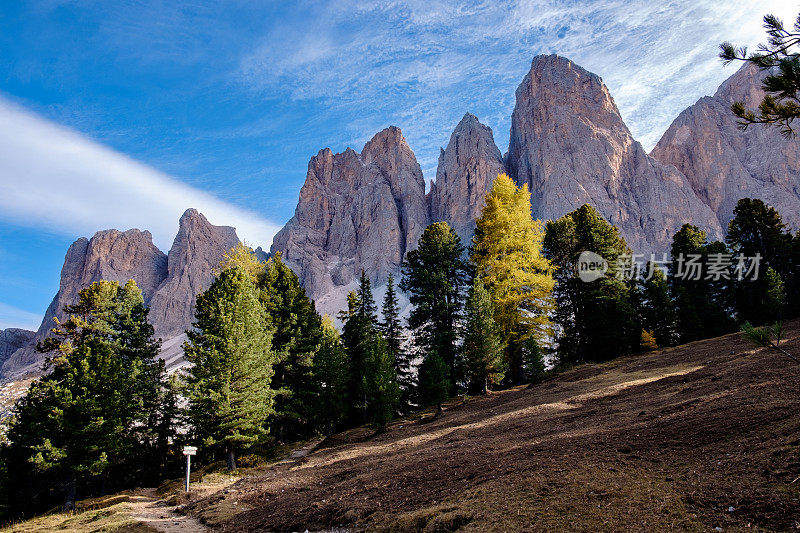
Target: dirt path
x,y
156,514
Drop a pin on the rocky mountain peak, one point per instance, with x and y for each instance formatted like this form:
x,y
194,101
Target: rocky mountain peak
x,y
169,283
197,250
724,163
356,211
570,145
467,168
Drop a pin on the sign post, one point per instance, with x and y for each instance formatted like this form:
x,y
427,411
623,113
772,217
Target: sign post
x,y
189,451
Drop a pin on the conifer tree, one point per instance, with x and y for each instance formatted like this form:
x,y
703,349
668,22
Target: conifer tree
x,y
85,426
702,306
434,381
781,56
757,229
434,276
483,345
383,392
393,333
230,350
507,255
372,383
596,319
296,339
330,376
656,308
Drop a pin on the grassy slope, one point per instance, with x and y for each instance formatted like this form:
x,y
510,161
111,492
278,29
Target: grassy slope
x,y
696,437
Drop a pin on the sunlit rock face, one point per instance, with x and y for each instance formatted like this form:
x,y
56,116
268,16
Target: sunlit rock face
x,y
724,163
356,211
570,145
169,283
467,168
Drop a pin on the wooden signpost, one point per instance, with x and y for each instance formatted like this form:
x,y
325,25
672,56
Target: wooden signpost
x,y
189,451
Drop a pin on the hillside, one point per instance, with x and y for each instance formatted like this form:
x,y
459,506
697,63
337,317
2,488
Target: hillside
x,y
697,437
701,436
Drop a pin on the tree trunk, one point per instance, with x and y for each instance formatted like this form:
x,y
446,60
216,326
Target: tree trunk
x,y
71,488
231,458
438,410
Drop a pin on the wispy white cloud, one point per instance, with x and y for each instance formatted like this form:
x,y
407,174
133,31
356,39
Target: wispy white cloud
x,y
422,64
14,317
54,178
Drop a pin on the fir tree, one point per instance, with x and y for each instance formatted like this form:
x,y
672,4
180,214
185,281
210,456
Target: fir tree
x,y
507,255
371,383
85,426
434,381
434,276
596,319
758,230
702,306
483,345
296,339
393,333
230,350
330,377
656,308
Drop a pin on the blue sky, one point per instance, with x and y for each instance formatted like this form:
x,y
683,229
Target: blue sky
x,y
123,114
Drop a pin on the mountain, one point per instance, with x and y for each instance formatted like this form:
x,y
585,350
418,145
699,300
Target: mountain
x,y
724,163
356,211
169,283
467,168
11,340
197,250
570,145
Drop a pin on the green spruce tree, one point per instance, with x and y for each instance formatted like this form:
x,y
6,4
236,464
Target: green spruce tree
x,y
227,385
656,308
596,319
483,345
86,426
392,331
702,306
434,276
296,339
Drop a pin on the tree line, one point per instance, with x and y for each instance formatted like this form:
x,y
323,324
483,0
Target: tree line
x,y
266,368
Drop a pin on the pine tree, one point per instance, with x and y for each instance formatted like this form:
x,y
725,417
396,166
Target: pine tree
x,y
383,392
780,55
507,255
656,308
330,377
84,426
483,345
596,319
393,333
296,339
757,229
703,307
434,276
230,350
434,381
371,383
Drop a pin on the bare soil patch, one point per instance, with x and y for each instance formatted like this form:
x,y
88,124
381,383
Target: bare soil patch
x,y
697,437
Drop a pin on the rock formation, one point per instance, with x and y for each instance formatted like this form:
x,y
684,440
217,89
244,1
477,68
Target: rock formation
x,y
467,168
356,211
12,339
196,252
169,283
569,144
724,163
111,255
